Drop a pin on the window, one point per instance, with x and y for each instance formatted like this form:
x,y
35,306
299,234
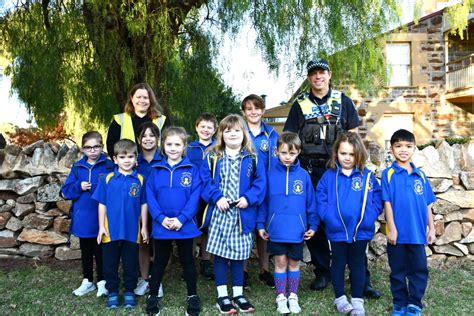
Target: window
x,y
392,122
399,64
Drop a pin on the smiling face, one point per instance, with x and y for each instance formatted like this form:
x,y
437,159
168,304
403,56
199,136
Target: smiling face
x,y
173,147
252,114
403,151
319,81
149,141
287,155
205,130
141,102
345,155
126,162
233,137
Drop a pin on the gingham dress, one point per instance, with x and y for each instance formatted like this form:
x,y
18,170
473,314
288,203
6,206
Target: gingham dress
x,y
225,239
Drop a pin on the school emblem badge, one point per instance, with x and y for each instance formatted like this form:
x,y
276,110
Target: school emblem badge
x,y
356,184
418,187
275,152
264,145
298,187
134,190
186,179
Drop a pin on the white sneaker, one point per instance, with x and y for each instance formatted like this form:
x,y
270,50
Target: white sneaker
x,y
161,293
101,290
358,304
293,304
282,304
143,287
342,305
85,288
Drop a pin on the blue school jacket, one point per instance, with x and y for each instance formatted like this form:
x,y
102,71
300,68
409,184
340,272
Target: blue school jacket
x,y
84,210
196,152
144,167
252,186
339,204
266,145
174,192
290,205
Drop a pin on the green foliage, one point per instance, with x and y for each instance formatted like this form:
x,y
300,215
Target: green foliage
x,y
457,17
450,140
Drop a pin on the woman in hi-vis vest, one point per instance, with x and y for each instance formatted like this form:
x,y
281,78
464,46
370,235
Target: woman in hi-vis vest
x,y
141,107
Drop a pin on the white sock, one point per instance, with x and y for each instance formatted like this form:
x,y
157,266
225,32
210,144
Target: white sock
x,y
237,290
222,291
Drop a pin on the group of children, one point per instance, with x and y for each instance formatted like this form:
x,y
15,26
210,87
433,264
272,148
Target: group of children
x,y
247,179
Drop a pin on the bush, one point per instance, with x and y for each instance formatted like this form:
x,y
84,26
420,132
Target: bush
x,y
450,140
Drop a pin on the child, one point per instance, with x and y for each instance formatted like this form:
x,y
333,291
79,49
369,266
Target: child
x,y
349,201
148,140
287,219
122,206
408,199
173,191
264,139
79,186
233,185
206,125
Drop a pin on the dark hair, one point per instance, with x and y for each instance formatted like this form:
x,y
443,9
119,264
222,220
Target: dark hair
x,y
154,129
292,140
91,135
360,153
125,146
154,110
256,100
209,117
174,131
402,135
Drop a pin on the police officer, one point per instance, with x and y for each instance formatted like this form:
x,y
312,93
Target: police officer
x,y
318,116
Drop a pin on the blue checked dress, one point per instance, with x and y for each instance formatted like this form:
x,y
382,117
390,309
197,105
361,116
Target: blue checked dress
x,y
225,238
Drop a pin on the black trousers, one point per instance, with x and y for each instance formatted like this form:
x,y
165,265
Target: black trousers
x,y
112,253
89,250
163,249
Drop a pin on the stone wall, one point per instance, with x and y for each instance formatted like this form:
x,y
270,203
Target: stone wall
x,y
34,219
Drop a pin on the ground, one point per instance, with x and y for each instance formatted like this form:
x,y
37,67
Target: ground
x,y
32,287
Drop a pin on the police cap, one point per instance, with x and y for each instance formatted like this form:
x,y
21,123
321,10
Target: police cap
x,y
317,63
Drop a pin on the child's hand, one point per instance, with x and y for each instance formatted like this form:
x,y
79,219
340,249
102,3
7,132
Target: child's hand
x,y
176,224
222,204
102,232
392,236
144,232
167,223
86,186
308,234
263,234
431,235
242,203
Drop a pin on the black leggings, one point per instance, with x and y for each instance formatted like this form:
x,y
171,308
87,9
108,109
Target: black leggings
x,y
89,249
163,249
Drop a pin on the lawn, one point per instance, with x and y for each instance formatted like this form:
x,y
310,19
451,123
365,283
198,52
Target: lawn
x,y
35,289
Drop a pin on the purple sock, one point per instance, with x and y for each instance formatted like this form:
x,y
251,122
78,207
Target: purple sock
x,y
293,281
280,282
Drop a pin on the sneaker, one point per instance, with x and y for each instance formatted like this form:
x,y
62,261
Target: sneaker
x,y
194,305
282,304
129,300
246,280
143,287
267,278
86,287
358,304
207,270
398,310
113,300
293,304
161,293
342,305
152,306
243,304
101,290
225,305
413,310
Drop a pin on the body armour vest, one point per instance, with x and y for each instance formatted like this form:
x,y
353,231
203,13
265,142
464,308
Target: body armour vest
x,y
322,125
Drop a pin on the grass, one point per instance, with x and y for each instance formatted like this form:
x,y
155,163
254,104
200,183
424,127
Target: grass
x,y
47,290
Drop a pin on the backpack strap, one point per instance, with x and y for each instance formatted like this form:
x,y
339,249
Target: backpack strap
x,y
212,161
364,203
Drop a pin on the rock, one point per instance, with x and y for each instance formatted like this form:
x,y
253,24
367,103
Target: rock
x,y
375,153
36,251
61,224
463,199
377,226
13,150
457,155
61,178
440,185
467,163
6,167
71,157
7,195
471,248
62,152
49,193
428,251
4,218
74,244
468,239
446,154
462,247
29,198
306,253
28,185
7,239
14,224
467,179
456,179
21,210
444,207
23,165
36,221
6,207
379,244
8,185
436,261
41,206
453,216
437,169
438,217
466,228
452,232
468,215
439,227
28,150
9,251
64,205
41,237
65,253
452,260
53,212
448,249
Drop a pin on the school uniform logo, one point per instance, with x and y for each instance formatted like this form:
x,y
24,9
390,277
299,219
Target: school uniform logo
x,y
186,179
356,184
298,187
418,187
274,152
264,145
134,190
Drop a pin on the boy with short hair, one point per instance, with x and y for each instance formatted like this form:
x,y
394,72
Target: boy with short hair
x,y
287,218
122,207
206,127
408,199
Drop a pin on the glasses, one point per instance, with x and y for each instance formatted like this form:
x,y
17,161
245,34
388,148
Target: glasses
x,y
92,148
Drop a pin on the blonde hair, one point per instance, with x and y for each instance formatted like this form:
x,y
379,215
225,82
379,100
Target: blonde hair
x,y
174,131
232,121
154,110
360,153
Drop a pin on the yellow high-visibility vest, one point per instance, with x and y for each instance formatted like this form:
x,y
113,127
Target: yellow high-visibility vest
x,y
125,121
